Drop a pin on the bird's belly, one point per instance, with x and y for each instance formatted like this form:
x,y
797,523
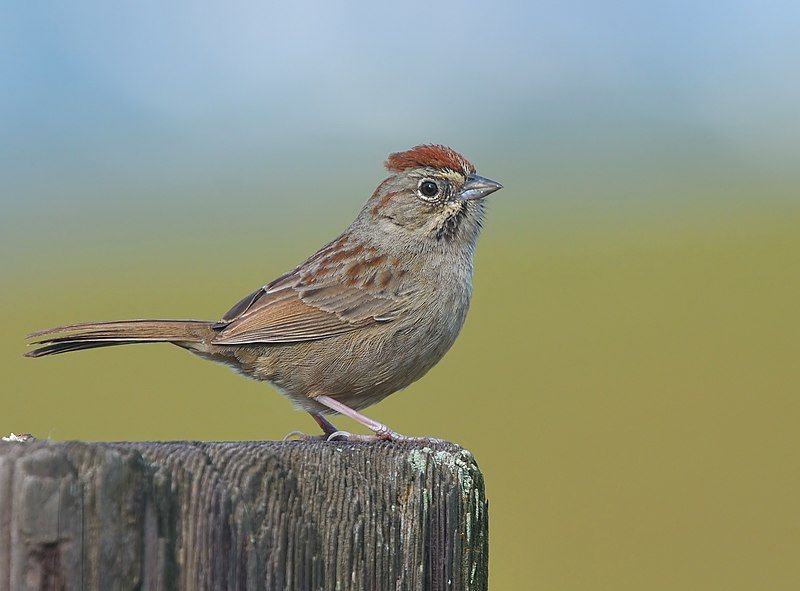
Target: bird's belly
x,y
358,368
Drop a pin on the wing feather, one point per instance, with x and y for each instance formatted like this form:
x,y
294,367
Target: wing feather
x,y
342,288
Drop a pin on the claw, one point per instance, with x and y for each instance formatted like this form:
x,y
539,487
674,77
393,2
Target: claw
x,y
339,435
300,436
381,435
384,433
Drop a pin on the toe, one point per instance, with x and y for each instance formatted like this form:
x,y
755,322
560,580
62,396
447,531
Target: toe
x,y
339,436
300,436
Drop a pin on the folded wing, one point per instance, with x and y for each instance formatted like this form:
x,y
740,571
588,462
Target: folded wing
x,y
344,287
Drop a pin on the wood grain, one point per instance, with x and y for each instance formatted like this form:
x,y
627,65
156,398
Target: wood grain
x,y
241,515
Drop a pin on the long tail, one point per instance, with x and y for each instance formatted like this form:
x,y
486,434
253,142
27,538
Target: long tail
x,y
106,334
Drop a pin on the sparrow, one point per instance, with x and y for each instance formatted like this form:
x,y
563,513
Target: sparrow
x,y
365,316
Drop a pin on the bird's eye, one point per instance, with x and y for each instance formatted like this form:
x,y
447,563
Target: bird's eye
x,y
428,189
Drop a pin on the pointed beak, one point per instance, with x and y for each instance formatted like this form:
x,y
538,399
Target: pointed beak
x,y
478,187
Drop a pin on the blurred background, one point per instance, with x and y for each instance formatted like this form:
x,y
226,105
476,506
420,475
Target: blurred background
x,y
628,376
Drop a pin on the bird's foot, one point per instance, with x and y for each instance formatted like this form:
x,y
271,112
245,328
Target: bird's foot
x,y
331,433
383,435
328,430
334,436
347,436
300,436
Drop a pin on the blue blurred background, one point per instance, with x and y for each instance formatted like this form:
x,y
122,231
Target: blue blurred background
x,y
628,375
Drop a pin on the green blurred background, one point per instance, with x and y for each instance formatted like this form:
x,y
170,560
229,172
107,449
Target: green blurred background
x,y
628,374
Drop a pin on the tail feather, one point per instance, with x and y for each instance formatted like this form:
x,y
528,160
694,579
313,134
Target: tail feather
x,y
76,337
56,348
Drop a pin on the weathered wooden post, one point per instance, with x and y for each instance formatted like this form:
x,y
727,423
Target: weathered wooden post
x,y
241,515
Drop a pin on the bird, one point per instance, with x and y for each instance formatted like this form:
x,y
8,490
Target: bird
x,y
366,315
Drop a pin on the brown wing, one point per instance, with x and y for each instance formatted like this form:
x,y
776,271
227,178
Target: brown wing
x,y
343,287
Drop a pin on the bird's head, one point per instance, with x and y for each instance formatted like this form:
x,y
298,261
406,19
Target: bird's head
x,y
433,194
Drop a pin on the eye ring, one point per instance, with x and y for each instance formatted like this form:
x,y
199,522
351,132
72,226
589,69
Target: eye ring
x,y
428,189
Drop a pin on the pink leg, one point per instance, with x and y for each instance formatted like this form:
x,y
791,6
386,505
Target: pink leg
x,y
381,430
327,427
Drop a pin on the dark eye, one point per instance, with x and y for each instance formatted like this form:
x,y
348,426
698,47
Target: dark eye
x,y
428,188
